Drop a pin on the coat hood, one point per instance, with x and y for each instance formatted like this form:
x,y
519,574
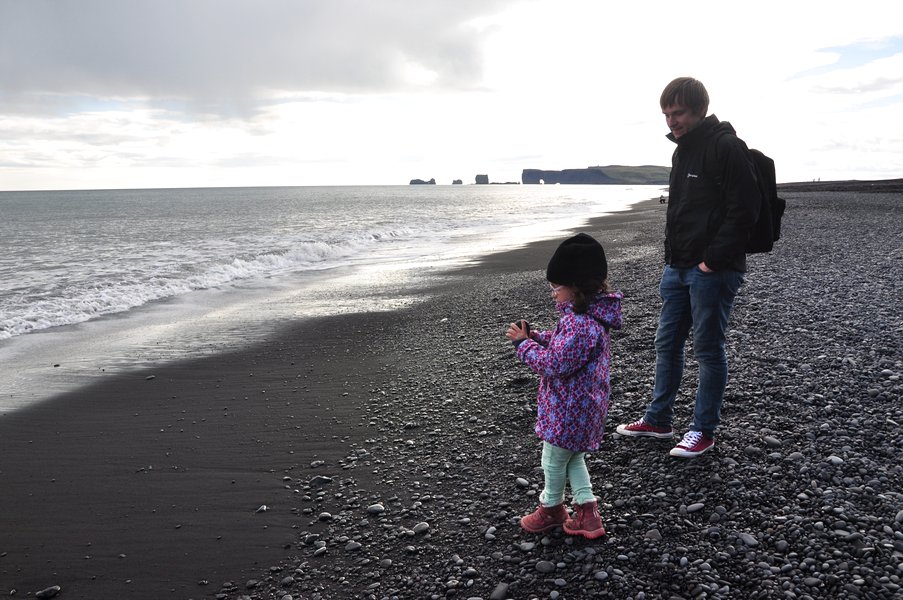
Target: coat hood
x,y
605,308
707,127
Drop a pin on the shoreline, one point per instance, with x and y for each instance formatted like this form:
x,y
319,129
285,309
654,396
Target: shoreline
x,y
57,358
424,411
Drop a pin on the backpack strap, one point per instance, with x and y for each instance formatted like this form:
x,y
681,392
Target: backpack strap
x,y
710,160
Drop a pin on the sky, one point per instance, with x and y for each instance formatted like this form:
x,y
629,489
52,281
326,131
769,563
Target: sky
x,y
99,94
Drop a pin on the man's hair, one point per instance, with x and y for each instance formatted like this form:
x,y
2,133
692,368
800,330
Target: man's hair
x,y
688,92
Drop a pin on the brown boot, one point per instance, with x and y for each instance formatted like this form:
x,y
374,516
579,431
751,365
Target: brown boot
x,y
586,521
544,518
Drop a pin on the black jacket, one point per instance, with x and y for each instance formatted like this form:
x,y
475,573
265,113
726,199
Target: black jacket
x,y
713,201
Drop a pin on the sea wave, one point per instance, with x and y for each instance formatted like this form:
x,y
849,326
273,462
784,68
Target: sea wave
x,y
77,302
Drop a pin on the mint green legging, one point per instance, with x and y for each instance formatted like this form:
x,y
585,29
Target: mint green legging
x,y
560,467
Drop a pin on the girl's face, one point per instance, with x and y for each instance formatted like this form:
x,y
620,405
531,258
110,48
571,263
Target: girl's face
x,y
561,293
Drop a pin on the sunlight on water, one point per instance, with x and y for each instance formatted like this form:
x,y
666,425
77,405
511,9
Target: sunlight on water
x,y
129,280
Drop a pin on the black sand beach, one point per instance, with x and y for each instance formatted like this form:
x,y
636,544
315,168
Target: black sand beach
x,y
394,451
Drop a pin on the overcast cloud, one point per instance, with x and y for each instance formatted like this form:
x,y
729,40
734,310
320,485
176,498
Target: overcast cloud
x,y
227,53
166,93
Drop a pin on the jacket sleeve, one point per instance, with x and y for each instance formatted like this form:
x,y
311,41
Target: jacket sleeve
x,y
567,352
741,200
541,337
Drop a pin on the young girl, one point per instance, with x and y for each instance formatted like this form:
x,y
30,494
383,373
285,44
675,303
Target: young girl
x,y
573,364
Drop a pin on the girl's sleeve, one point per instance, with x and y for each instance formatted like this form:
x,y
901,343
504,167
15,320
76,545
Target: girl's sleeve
x,y
541,337
567,353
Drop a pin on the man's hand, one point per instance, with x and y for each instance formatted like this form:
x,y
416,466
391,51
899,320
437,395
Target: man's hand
x,y
704,268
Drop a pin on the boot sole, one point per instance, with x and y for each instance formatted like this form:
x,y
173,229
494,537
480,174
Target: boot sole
x,y
590,535
541,529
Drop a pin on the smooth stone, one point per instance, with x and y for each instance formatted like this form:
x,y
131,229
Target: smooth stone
x,y
500,592
654,534
352,546
522,482
696,506
375,509
772,442
545,566
749,540
48,592
421,527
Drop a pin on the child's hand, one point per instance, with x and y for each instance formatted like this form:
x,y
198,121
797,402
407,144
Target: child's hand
x,y
518,332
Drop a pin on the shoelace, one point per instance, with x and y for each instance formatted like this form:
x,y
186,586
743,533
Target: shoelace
x,y
691,438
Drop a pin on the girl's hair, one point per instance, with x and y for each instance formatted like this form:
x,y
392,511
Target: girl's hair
x,y
585,291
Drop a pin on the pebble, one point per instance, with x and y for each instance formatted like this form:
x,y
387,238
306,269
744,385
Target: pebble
x,y
545,566
376,509
817,527
49,592
772,442
421,527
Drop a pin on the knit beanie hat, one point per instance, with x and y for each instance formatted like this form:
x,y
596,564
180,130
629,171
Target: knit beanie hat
x,y
577,259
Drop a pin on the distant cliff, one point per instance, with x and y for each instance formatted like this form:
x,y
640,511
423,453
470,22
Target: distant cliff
x,y
610,175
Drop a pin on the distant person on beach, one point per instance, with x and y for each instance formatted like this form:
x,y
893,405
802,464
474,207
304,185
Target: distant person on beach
x,y
712,206
573,363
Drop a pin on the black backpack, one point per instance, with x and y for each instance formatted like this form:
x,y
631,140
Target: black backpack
x,y
767,229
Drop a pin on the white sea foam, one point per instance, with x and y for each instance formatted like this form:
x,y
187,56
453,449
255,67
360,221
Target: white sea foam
x,y
70,257
155,280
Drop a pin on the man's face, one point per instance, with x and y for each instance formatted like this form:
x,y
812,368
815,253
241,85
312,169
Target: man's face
x,y
680,119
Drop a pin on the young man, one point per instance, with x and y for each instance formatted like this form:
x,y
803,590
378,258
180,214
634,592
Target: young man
x,y
712,206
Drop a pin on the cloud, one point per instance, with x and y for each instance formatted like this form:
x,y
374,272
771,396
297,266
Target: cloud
x,y
223,55
173,93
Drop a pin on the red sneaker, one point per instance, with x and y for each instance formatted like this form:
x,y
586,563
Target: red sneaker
x,y
643,429
544,518
586,521
693,444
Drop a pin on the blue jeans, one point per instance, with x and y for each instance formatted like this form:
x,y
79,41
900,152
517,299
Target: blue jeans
x,y
701,302
561,466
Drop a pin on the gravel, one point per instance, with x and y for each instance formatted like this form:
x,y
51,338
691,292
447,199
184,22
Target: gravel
x,y
801,497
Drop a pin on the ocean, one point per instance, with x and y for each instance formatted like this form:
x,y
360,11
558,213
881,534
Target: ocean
x,y
94,282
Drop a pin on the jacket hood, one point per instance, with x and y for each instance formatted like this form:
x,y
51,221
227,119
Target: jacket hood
x,y
605,308
707,127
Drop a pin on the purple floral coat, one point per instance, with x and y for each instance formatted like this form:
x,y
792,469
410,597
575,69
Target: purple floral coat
x,y
573,364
